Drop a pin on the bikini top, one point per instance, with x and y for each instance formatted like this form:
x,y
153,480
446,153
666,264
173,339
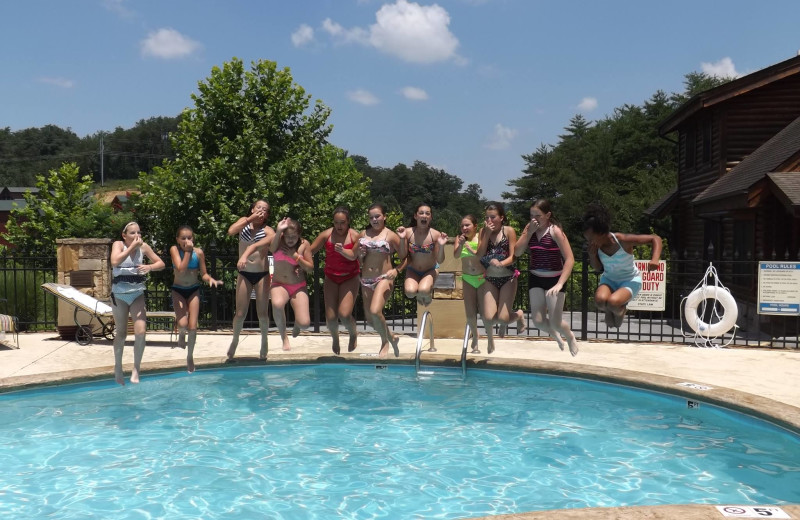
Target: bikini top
x,y
194,262
473,245
246,235
280,256
128,266
501,250
425,248
380,246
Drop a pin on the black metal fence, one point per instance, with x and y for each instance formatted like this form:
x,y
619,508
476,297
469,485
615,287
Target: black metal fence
x,y
21,278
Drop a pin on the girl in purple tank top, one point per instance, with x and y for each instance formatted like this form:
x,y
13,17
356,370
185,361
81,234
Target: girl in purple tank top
x,y
612,254
550,262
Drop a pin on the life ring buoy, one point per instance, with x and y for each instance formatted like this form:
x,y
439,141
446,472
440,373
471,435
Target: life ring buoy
x,y
726,322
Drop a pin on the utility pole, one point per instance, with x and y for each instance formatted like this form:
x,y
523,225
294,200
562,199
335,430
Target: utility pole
x,y
101,159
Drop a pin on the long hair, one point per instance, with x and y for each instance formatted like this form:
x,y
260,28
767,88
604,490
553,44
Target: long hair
x,y
544,206
413,222
498,207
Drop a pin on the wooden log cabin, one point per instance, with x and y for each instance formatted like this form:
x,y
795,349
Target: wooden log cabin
x,y
738,192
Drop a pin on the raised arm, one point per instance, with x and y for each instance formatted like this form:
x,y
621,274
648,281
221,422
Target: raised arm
x,y
319,242
156,263
653,240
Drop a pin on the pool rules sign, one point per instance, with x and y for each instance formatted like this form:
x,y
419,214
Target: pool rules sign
x,y
653,295
779,288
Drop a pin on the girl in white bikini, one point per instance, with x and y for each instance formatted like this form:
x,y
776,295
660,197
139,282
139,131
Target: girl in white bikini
x,y
377,244
127,294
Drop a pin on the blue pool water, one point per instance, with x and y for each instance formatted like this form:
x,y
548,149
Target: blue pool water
x,y
338,441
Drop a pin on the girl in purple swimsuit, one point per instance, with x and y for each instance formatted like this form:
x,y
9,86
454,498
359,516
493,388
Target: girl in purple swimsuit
x,y
496,251
292,256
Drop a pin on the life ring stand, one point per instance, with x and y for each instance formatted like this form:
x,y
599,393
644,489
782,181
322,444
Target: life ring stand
x,y
727,320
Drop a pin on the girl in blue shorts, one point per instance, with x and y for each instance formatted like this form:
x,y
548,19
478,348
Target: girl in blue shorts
x,y
612,253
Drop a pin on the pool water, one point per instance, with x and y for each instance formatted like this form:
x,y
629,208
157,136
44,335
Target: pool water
x,y
339,441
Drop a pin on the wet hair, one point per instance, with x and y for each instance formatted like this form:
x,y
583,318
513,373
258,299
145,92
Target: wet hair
x,y
498,207
379,206
181,228
545,207
596,219
413,222
344,211
296,227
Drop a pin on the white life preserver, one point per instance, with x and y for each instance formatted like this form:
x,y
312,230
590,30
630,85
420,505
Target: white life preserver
x,y
726,322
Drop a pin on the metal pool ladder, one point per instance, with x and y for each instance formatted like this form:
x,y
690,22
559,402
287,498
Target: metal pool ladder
x,y
427,319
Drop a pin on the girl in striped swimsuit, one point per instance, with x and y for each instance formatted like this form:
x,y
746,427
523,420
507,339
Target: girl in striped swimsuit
x,y
253,265
550,262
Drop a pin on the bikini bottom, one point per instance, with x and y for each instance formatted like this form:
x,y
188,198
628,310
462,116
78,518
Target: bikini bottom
x,y
186,292
423,273
291,288
372,283
475,280
254,278
500,281
128,297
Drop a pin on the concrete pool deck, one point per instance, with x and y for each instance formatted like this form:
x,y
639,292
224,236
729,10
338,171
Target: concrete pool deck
x,y
761,382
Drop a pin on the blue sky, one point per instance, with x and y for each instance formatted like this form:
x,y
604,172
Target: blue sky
x,y
464,85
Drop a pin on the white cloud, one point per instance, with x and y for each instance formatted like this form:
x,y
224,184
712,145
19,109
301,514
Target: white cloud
x,y
587,104
363,97
724,68
167,43
501,139
356,34
407,30
303,35
414,93
117,7
59,82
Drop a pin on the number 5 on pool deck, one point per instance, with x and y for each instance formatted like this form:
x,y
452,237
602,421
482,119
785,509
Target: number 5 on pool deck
x,y
752,512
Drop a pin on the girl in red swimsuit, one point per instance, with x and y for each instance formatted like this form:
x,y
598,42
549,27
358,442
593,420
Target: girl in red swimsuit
x,y
340,287
292,257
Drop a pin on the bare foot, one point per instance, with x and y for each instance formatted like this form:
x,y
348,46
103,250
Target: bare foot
x,y
336,349
263,354
134,376
189,365
231,353
573,346
559,342
351,345
119,377
181,341
521,326
384,352
503,329
609,319
475,349
286,346
490,348
619,319
394,341
295,330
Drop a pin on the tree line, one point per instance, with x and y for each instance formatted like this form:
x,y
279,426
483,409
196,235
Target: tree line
x,y
254,133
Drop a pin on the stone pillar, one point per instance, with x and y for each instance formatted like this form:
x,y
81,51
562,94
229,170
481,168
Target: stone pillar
x,y
447,307
84,264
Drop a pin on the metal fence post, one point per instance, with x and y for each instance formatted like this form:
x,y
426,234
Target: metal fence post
x,y
584,293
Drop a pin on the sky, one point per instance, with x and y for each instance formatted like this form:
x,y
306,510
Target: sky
x,y
467,86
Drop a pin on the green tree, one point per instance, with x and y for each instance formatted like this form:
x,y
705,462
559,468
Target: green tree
x,y
250,135
63,207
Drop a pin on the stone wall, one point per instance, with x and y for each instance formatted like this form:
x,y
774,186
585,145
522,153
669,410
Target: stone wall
x,y
84,264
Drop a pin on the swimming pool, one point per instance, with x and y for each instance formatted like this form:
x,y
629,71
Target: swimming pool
x,y
343,441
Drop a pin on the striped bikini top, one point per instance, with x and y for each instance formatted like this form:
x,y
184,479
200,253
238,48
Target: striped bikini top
x,y
246,234
544,254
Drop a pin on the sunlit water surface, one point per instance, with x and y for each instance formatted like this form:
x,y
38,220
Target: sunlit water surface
x,y
339,441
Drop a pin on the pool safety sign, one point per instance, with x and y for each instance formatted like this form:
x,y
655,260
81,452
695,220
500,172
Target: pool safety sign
x,y
752,512
779,288
653,295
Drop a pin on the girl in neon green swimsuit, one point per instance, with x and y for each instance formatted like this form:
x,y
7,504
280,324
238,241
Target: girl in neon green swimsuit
x,y
466,248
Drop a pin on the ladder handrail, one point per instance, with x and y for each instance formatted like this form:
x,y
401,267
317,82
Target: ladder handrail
x,y
426,320
464,351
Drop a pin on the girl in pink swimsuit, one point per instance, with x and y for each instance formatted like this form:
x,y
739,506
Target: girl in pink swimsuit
x,y
292,260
